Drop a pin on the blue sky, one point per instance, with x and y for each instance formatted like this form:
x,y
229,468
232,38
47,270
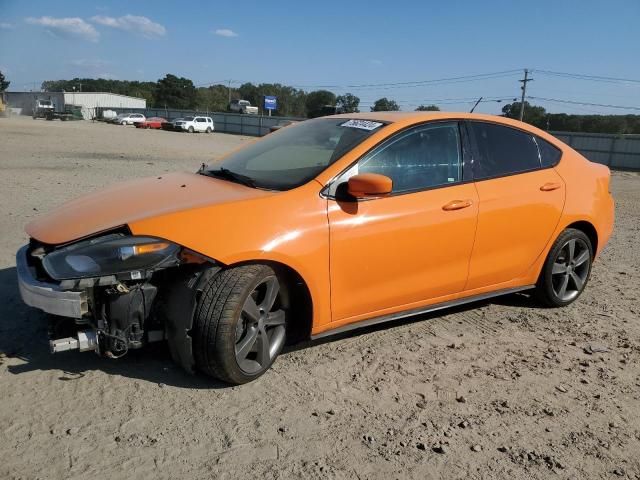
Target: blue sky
x,y
339,43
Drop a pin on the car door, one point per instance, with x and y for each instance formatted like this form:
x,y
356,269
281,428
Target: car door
x,y
414,245
520,202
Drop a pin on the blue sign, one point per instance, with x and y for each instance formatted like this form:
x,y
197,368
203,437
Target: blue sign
x,y
270,102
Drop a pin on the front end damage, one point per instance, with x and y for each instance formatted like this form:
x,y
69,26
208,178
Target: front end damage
x,y
120,291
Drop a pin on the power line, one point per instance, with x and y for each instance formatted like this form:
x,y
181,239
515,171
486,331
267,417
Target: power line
x,y
574,102
413,83
419,83
448,100
595,78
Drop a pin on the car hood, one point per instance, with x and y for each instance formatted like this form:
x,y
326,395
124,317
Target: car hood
x,y
133,201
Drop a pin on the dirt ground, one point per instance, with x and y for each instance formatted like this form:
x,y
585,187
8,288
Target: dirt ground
x,y
500,389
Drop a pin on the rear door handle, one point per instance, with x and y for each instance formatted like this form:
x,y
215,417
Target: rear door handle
x,y
547,187
457,205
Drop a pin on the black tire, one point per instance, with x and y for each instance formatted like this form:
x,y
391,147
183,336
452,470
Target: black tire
x,y
191,130
209,130
236,334
566,270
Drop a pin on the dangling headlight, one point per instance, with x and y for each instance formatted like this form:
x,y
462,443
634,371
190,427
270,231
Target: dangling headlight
x,y
109,255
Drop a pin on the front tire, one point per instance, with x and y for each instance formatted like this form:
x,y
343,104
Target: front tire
x,y
191,130
566,270
240,323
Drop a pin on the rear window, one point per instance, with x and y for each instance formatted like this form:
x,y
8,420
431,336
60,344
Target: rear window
x,y
549,155
502,150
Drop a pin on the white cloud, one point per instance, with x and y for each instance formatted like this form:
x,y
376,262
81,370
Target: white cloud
x,y
132,23
6,26
89,63
107,76
67,26
225,32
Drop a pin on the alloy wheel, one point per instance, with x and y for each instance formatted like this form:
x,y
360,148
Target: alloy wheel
x,y
260,331
571,269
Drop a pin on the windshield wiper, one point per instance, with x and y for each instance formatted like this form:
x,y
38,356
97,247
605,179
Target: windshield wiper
x,y
227,174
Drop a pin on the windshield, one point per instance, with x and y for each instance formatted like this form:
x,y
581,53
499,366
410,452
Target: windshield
x,y
296,154
187,119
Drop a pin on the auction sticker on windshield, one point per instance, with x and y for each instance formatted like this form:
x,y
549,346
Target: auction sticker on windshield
x,y
362,124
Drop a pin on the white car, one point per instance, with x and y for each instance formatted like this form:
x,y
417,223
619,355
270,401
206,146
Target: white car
x,y
194,124
130,119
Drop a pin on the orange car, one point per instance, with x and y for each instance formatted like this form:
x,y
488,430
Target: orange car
x,y
321,227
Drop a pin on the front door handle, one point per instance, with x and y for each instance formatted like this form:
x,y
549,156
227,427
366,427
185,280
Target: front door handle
x,y
549,186
457,205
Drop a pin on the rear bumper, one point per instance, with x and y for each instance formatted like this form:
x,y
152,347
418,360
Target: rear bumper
x,y
48,297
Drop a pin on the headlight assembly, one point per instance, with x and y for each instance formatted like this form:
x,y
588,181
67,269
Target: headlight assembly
x,y
109,255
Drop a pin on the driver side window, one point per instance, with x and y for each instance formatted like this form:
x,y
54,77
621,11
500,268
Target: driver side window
x,y
423,157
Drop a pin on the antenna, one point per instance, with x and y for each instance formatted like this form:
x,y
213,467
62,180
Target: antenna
x,y
476,104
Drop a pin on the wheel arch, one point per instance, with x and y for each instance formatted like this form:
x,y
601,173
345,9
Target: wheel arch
x,y
589,230
298,294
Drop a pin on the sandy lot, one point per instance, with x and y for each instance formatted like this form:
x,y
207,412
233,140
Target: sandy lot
x,y
493,390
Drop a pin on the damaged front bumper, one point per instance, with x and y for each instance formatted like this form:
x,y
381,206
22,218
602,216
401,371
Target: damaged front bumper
x,y
48,297
116,313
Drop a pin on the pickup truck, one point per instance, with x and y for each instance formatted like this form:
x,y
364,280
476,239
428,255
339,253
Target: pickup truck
x,y
243,106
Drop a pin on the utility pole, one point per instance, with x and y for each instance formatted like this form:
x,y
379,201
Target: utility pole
x,y
524,91
229,91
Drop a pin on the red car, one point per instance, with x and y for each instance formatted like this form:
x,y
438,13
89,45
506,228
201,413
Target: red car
x,y
153,122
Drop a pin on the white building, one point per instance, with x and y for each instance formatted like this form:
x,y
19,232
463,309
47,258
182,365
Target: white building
x,y
23,102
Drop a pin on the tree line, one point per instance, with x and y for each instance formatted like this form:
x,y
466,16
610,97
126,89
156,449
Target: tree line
x,y
180,93
563,122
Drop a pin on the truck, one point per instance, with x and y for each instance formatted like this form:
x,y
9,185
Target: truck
x,y
242,106
45,108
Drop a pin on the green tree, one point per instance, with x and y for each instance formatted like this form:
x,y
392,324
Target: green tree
x,y
214,98
348,103
428,108
4,84
175,92
533,115
385,105
318,99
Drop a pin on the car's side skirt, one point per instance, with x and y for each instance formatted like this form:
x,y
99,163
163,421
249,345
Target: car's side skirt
x,y
417,311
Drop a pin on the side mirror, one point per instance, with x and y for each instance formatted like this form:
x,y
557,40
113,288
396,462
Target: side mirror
x,y
366,185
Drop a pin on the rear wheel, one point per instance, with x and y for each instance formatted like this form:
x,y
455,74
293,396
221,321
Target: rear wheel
x,y
240,323
209,130
566,270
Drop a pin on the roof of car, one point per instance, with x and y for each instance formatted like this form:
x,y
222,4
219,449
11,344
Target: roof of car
x,y
412,117
409,118
422,116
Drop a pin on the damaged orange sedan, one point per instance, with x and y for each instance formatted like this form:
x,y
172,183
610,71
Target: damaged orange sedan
x,y
324,226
